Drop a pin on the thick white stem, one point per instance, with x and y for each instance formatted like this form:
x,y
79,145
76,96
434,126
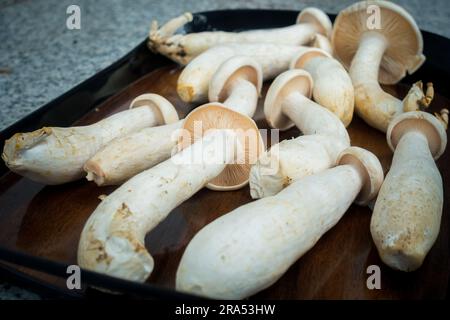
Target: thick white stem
x,y
407,214
194,80
312,118
243,97
333,88
112,240
183,48
54,155
325,137
248,249
291,160
373,104
124,157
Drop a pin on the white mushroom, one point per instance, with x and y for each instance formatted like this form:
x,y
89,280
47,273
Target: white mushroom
x,y
250,248
237,83
193,82
380,53
323,43
407,214
112,240
333,88
287,102
183,48
54,155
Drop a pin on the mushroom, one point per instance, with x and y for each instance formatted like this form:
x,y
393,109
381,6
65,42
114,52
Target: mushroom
x,y
333,88
287,102
250,248
54,155
237,83
112,240
183,48
193,82
322,42
407,215
382,54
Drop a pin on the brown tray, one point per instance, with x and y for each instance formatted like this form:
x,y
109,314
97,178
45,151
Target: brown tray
x,y
46,221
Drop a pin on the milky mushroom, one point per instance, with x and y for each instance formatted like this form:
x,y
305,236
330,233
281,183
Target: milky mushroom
x,y
287,103
407,215
182,48
250,248
193,82
237,83
54,155
384,54
112,240
322,42
333,88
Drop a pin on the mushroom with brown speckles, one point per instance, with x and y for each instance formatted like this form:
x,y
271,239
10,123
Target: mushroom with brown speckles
x,y
54,155
407,214
250,248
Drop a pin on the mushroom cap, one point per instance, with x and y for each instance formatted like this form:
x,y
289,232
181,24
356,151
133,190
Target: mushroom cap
x,y
299,61
418,121
405,43
296,80
217,116
237,67
369,168
316,17
164,110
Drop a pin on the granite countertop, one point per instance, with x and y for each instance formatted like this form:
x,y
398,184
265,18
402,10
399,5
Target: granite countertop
x,y
41,59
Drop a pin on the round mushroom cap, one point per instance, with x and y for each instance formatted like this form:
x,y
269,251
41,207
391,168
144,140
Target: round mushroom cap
x,y
369,168
418,121
217,116
405,43
318,18
296,80
299,61
232,69
164,110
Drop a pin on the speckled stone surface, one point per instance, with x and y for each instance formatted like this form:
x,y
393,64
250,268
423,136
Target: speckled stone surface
x,y
40,58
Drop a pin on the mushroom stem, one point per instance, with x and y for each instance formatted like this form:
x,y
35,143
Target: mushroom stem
x,y
407,214
54,155
312,118
333,88
373,104
242,97
323,43
183,48
194,80
228,259
325,136
112,240
126,156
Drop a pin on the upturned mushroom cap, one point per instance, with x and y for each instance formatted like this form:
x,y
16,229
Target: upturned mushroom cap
x,y
238,67
164,110
316,17
286,83
303,57
405,43
418,121
217,116
369,168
